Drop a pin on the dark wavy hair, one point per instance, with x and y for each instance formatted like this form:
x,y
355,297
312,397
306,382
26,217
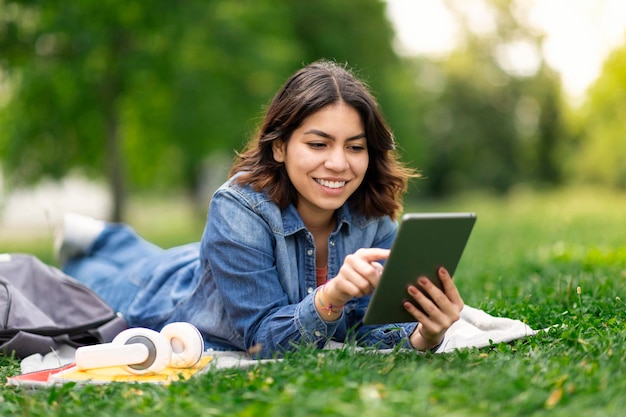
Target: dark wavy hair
x,y
310,89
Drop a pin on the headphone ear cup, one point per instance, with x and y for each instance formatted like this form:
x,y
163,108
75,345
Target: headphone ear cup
x,y
186,344
159,350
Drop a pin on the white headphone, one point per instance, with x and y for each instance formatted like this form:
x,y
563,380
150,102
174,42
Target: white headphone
x,y
141,351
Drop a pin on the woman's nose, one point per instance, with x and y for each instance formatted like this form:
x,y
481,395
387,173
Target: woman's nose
x,y
337,160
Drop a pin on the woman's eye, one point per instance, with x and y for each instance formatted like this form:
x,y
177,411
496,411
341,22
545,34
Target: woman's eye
x,y
356,148
317,145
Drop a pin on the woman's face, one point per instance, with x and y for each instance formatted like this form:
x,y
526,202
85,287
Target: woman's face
x,y
326,158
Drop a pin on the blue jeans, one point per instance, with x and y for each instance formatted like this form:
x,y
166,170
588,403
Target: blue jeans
x,y
105,266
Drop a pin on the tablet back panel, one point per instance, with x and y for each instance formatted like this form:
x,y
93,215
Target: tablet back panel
x,y
424,242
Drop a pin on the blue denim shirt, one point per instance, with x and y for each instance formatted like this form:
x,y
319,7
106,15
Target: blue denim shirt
x,y
253,284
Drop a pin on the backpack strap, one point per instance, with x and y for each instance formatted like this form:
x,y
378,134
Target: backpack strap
x,y
107,331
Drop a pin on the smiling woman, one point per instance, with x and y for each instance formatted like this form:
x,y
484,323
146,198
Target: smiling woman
x,y
291,248
326,161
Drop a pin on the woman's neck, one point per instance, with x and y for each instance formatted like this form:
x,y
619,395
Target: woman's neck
x,y
317,221
320,227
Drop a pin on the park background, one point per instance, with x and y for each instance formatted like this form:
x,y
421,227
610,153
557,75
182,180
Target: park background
x,y
133,111
144,100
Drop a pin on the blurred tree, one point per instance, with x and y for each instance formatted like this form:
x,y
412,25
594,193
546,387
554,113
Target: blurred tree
x,y
491,121
144,91
68,64
601,156
141,91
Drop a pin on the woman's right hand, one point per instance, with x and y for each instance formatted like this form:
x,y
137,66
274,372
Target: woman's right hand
x,y
357,277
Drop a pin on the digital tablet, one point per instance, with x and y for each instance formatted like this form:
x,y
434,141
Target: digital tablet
x,y
423,243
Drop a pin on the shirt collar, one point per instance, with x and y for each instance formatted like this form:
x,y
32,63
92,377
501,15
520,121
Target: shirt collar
x,y
292,222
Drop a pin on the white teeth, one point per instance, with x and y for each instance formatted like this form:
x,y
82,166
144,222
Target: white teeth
x,y
331,184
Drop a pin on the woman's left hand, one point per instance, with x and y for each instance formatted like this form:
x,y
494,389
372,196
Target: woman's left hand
x,y
440,312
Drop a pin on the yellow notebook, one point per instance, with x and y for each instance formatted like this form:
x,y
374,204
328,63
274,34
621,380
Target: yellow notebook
x,y
105,375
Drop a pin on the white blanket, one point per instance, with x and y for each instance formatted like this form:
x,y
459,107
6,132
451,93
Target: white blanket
x,y
475,328
479,329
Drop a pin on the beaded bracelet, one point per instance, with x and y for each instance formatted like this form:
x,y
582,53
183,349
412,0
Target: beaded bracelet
x,y
330,306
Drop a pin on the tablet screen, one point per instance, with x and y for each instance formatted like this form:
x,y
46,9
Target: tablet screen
x,y
424,242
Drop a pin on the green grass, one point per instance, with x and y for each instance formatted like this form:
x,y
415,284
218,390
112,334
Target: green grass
x,y
557,258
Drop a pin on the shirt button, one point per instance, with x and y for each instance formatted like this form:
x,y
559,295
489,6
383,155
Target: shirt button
x,y
332,243
309,252
309,290
317,333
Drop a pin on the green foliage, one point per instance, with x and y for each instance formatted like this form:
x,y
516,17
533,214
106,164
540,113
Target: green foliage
x,y
143,92
144,97
488,124
133,92
555,260
600,157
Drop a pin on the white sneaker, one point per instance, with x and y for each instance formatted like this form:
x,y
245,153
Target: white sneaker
x,y
76,235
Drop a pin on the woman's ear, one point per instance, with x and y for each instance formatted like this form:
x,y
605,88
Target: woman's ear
x,y
278,150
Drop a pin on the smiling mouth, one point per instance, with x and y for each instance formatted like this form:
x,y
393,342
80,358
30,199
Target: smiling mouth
x,y
331,184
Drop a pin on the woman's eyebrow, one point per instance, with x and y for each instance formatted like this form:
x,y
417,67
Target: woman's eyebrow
x,y
328,136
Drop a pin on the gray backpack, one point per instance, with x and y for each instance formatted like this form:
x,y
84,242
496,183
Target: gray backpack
x,y
42,309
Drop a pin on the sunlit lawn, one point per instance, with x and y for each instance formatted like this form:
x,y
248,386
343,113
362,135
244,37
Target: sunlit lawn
x,y
557,258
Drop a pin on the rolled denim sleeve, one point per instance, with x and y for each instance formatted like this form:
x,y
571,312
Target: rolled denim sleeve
x,y
387,336
302,325
379,336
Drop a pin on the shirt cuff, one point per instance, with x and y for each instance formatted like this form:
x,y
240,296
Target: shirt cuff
x,y
310,324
